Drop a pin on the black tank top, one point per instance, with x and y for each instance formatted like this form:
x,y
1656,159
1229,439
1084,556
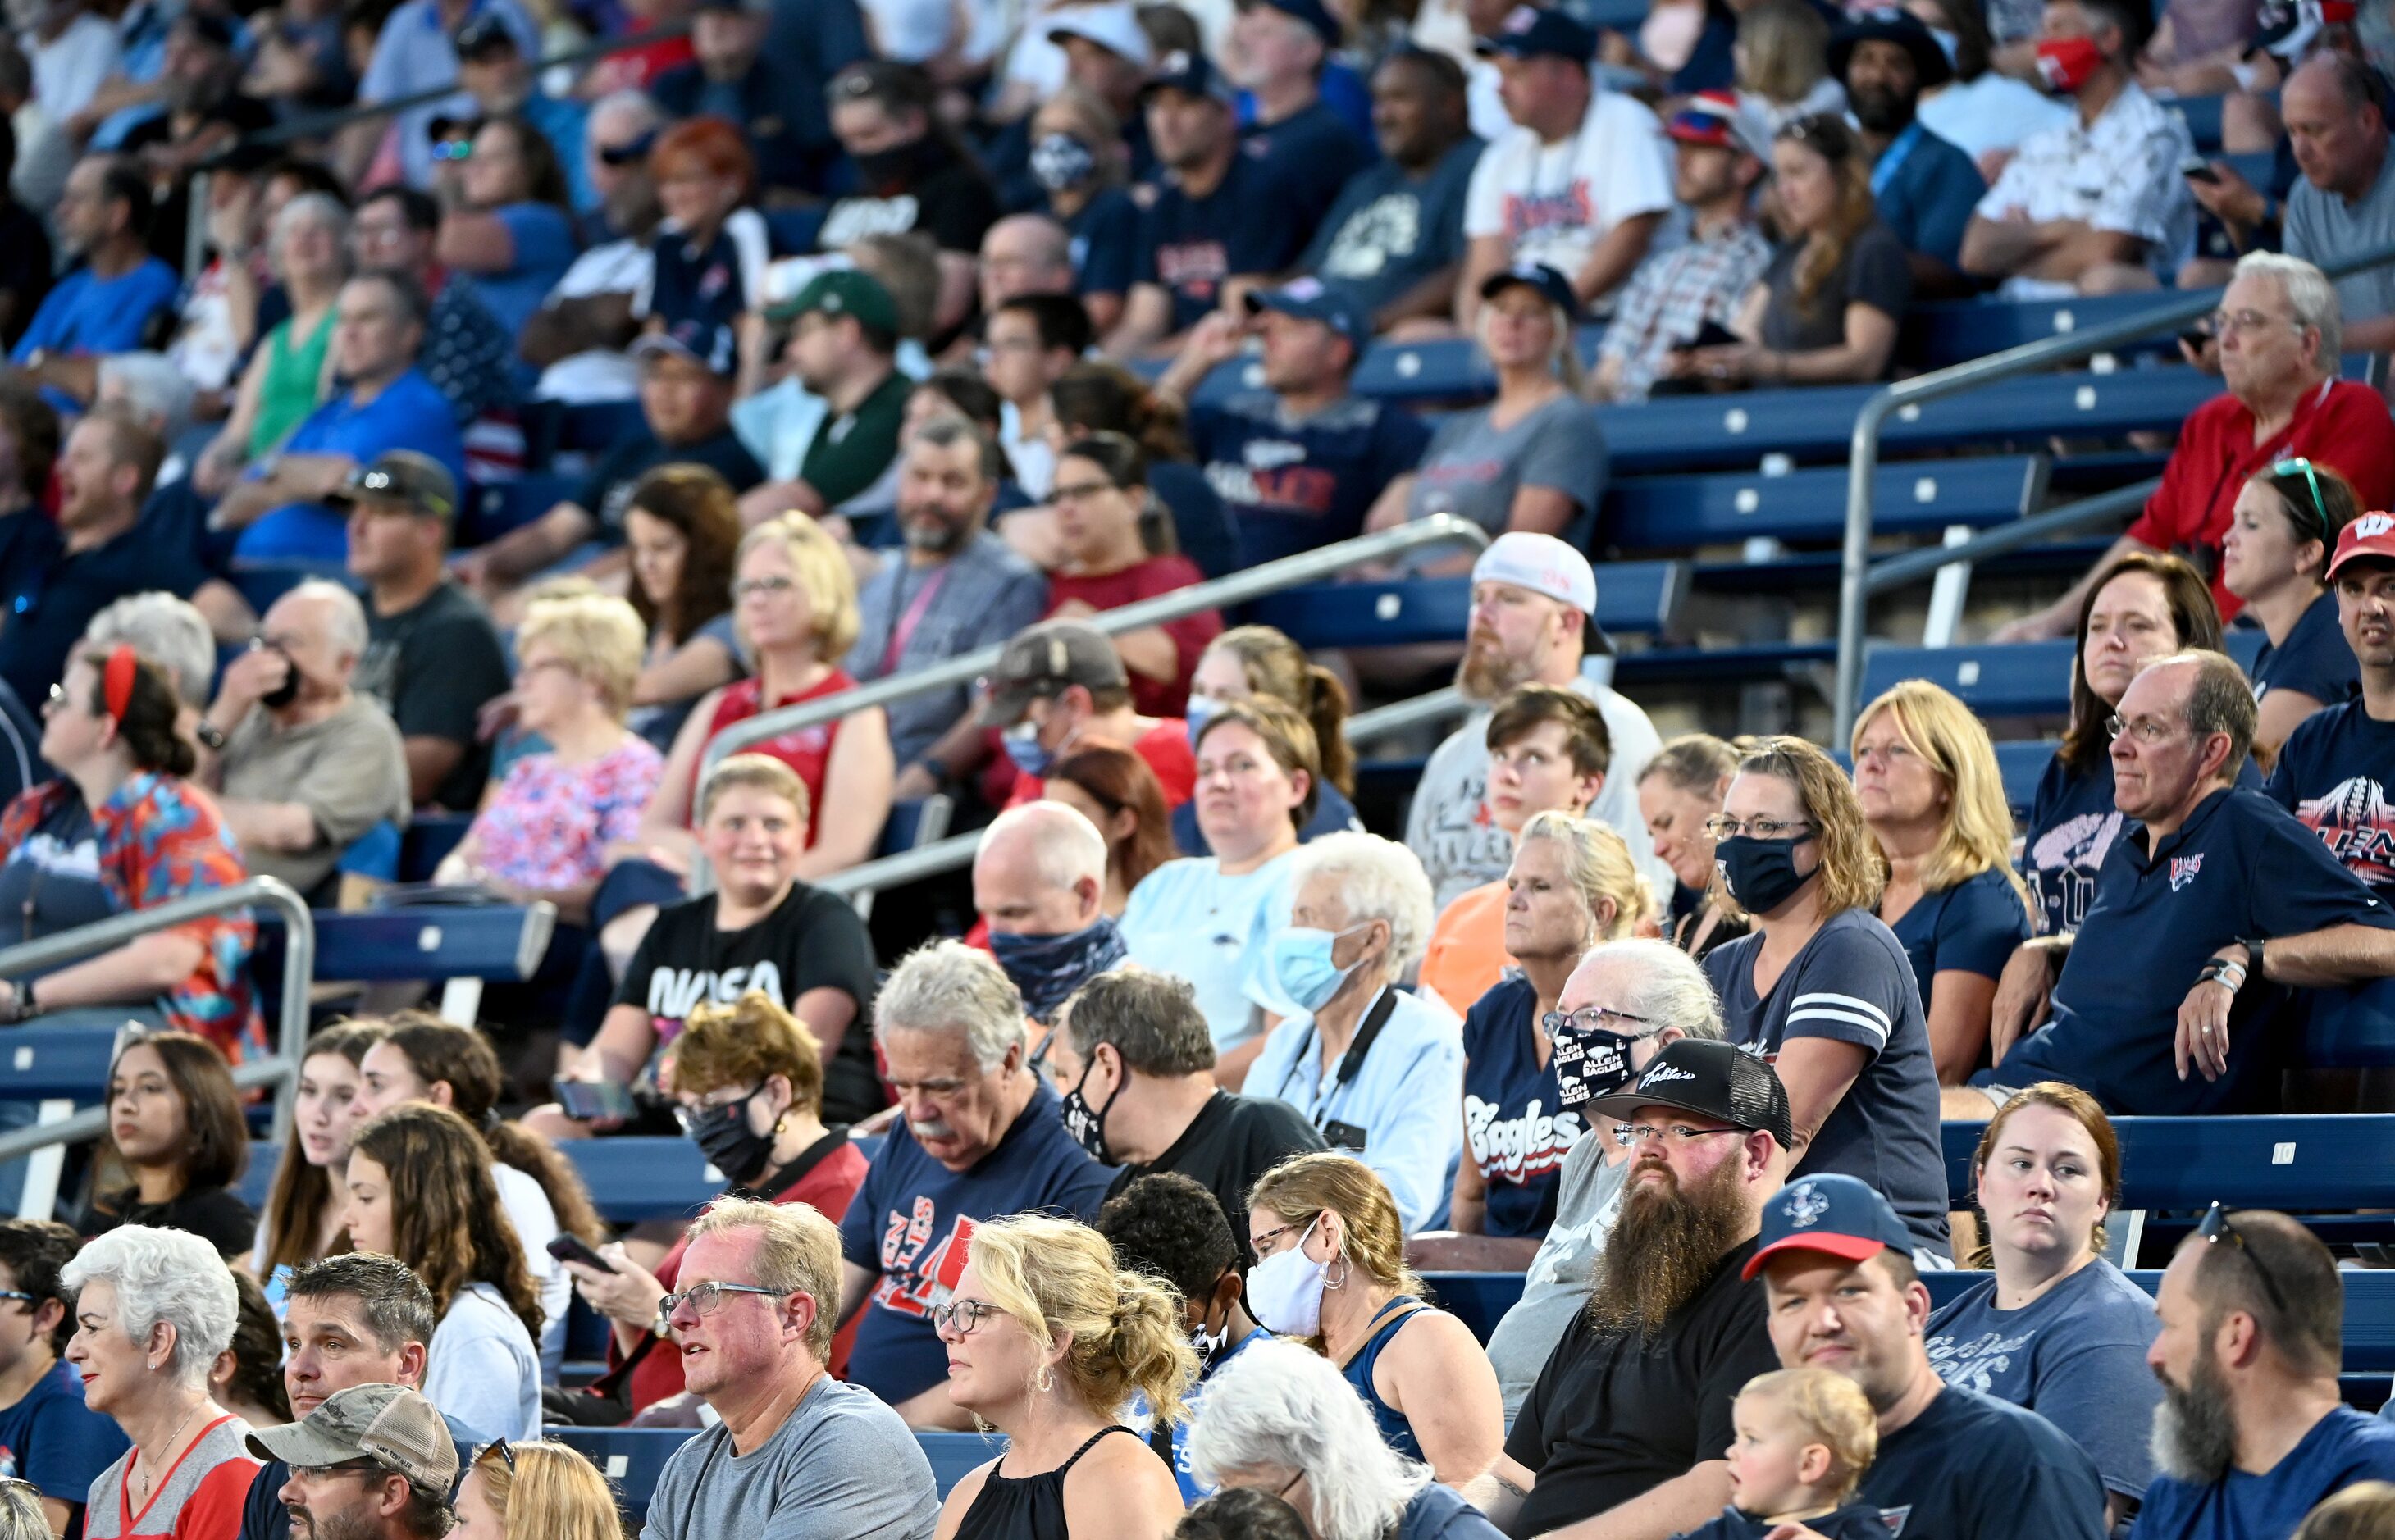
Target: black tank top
x,y
1027,1507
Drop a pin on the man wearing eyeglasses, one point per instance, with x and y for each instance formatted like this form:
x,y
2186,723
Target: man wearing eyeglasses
x,y
795,1452
2211,898
2279,330
2252,1431
1622,1436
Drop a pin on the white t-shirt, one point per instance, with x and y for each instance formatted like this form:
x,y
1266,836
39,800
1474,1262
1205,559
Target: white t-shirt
x,y
602,373
481,1367
71,66
1554,203
528,1210
1995,111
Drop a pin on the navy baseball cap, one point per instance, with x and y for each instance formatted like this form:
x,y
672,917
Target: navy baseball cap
x,y
1315,16
1906,31
1310,299
482,34
1190,74
707,344
1529,32
1836,1215
1534,275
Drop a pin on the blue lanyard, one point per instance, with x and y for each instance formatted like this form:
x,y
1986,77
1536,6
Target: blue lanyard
x,y
1885,172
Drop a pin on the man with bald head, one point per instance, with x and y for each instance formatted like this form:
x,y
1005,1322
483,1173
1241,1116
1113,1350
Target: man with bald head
x,y
300,763
2165,996
1023,253
1136,1061
1040,881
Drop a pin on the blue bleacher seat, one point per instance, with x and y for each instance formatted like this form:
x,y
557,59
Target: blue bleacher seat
x,y
2029,678
1935,336
637,1178
2022,764
1633,598
494,942
632,1458
2295,1164
429,839
373,854
954,1455
507,505
1478,1299
38,1062
1677,512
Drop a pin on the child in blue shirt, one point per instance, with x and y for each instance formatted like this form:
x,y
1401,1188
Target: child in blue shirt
x,y
1805,1438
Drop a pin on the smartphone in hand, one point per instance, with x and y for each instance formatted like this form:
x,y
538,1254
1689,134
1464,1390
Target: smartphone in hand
x,y
573,1248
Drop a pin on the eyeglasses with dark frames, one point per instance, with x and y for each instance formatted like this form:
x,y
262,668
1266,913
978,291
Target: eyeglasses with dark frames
x,y
2216,1227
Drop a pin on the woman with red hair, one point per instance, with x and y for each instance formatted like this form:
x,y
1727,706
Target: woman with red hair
x,y
712,249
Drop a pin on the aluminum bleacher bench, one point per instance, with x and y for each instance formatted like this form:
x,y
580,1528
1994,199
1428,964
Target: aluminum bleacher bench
x,y
458,947
2023,679
1936,335
1678,513
1633,598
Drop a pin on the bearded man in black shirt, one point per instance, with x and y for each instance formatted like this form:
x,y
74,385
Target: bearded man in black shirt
x,y
1622,1438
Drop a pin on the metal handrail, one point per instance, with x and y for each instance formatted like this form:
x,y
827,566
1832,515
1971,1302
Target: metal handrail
x,y
279,1070
1439,529
1854,576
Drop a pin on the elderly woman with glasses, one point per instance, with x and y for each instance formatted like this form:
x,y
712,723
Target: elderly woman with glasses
x,y
2275,558
1823,988
153,1308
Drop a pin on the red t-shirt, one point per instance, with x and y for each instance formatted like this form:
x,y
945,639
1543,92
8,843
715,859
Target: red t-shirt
x,y
2341,425
807,750
1166,748
827,1187
1157,574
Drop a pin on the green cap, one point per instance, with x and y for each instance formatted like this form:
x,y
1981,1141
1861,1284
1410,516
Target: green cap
x,y
843,291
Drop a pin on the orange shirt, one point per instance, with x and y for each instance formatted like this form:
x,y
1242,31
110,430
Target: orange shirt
x,y
1466,953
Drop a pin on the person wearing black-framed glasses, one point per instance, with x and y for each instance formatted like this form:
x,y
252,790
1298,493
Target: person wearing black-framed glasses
x,y
2336,771
2252,1431
2275,557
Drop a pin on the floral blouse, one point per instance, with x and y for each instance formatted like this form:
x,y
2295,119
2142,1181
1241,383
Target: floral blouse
x,y
549,826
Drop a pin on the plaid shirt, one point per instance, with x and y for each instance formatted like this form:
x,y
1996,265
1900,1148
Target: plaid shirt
x,y
1670,297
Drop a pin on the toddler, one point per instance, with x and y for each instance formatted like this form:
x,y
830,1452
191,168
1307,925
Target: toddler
x,y
1804,1439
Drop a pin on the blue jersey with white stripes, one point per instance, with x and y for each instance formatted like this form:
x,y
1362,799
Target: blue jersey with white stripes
x,y
1852,983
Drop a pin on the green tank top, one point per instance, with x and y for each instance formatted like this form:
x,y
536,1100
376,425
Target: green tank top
x,y
289,392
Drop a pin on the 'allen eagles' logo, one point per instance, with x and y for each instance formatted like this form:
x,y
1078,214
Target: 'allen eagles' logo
x,y
1806,1206
2183,870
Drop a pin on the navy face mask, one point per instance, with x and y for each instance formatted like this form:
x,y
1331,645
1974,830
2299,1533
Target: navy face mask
x,y
1049,969
1761,873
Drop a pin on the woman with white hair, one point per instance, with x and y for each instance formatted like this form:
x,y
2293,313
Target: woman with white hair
x,y
1280,1420
1377,1071
290,372
153,1308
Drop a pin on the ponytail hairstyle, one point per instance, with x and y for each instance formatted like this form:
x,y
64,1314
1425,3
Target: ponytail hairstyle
x,y
1058,1276
296,1203
1092,398
139,697
439,1051
1276,666
447,1222
1305,1186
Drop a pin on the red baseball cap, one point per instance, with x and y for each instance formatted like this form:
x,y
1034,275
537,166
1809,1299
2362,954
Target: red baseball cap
x,y
2372,534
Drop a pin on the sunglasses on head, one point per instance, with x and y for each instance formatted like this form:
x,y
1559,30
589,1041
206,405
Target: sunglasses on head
x,y
2216,1227
630,154
2298,466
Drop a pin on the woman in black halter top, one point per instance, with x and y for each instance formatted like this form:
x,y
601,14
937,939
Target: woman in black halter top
x,y
1047,1341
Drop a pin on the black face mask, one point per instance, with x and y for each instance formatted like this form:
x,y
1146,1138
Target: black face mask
x,y
288,691
882,167
722,1134
1087,1126
1762,873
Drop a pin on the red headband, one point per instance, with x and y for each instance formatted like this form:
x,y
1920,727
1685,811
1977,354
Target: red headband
x,y
118,680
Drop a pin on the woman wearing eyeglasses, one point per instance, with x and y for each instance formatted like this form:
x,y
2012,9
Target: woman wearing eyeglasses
x,y
2275,558
1330,1271
2058,1329
1823,988
1047,1340
535,1490
420,1190
1572,886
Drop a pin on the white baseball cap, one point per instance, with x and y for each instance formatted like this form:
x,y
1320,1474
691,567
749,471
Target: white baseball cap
x,y
1540,563
1113,27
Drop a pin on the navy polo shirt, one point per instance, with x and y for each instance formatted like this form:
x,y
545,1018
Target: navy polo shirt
x,y
1516,1129
1927,188
2315,660
1104,240
1292,483
1314,152
2333,774
1190,244
1970,928
2072,825
2157,915
47,595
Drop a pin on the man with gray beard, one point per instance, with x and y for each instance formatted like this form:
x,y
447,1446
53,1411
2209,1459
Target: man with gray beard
x,y
2252,1432
1622,1436
956,589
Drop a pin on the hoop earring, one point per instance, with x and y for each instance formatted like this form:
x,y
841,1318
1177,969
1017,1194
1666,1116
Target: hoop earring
x,y
1046,1379
1340,1282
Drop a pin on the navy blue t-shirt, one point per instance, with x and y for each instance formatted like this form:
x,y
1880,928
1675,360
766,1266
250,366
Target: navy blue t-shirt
x,y
2315,660
2333,774
1851,983
1292,483
1393,228
606,492
48,596
51,1438
912,1222
2155,920
1516,1129
2342,1448
1190,245
2072,825
1104,244
1972,1467
2075,1355
710,283
1314,152
1970,928
1927,188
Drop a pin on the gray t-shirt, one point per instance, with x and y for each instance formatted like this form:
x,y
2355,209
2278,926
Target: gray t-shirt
x,y
1588,1199
349,770
1472,468
841,1466
2321,226
482,1367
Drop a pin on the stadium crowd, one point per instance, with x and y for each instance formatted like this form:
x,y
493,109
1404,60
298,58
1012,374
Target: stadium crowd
x,y
536,417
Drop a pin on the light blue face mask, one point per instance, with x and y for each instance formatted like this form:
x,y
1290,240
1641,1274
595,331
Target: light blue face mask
x,y
1023,745
1299,957
1200,710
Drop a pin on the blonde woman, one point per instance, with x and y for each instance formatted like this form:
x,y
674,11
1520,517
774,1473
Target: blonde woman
x,y
1926,779
1047,1341
1573,886
535,1491
1781,57
545,831
1822,987
1330,1270
1527,460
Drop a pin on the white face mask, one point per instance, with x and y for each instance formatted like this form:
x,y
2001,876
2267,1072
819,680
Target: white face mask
x,y
1285,1290
1669,35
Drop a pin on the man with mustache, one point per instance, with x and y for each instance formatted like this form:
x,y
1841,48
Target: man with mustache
x,y
1926,187
1842,1295
2252,1432
1622,1438
983,1137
